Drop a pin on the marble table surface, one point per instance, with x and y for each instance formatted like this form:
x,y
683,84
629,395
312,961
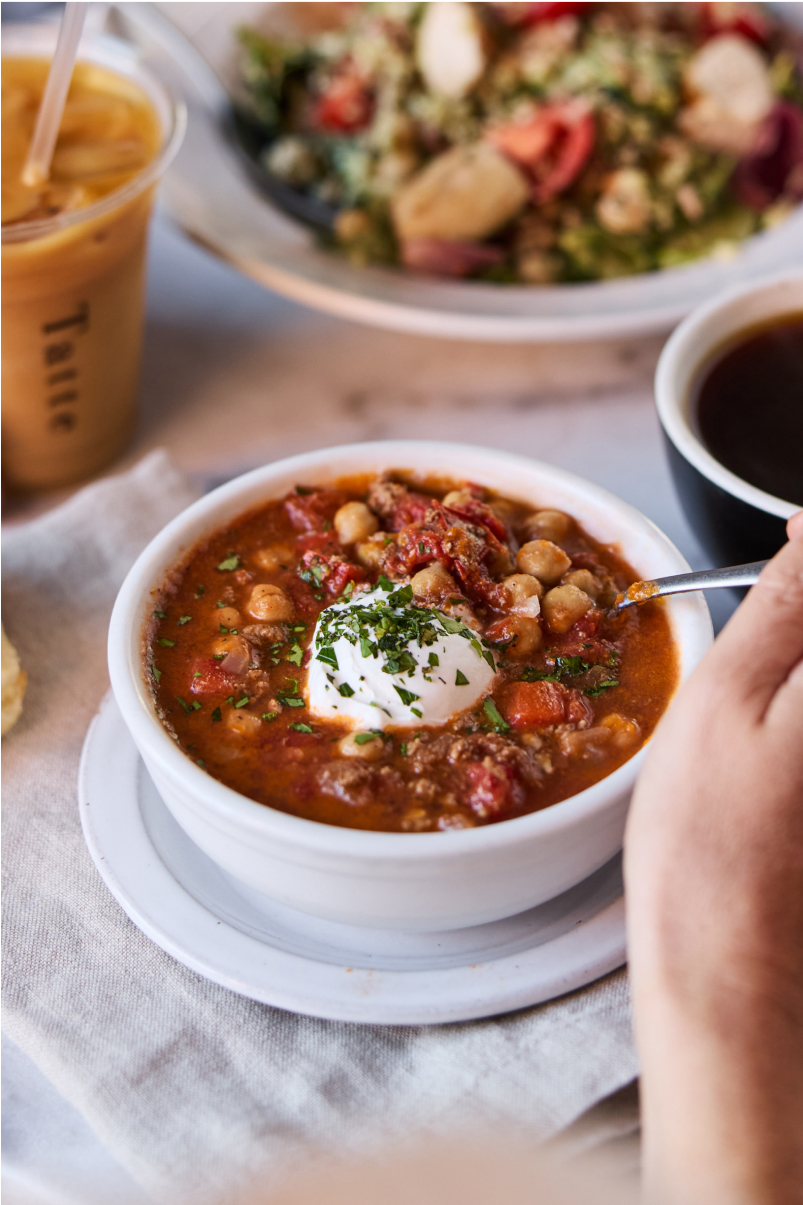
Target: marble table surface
x,y
233,377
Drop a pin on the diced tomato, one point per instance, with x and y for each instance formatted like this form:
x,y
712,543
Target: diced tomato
x,y
209,678
492,790
341,573
346,105
409,509
447,257
552,145
325,542
533,704
745,19
476,511
310,512
300,740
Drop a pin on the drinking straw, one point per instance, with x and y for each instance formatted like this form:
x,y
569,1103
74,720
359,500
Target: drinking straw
x,y
48,122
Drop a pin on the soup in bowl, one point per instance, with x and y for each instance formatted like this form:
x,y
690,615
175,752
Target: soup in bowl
x,y
381,684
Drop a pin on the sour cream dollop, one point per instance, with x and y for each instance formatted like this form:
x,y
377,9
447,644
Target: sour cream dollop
x,y
379,661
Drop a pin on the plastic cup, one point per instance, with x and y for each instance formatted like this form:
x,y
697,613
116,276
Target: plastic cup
x,y
73,303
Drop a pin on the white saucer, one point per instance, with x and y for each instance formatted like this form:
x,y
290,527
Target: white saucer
x,y
232,935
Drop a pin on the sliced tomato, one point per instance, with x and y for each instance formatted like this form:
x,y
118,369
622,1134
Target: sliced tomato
x,y
552,145
346,105
533,704
343,572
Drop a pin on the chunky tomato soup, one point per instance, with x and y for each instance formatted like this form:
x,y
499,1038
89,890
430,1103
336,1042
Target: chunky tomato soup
x,y
406,656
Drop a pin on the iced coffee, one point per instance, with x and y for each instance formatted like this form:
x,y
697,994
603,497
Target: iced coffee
x,y
73,270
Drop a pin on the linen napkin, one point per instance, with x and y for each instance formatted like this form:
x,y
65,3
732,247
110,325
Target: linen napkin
x,y
190,1086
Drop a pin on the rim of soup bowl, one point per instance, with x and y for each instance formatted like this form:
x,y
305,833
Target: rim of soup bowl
x,y
689,618
691,345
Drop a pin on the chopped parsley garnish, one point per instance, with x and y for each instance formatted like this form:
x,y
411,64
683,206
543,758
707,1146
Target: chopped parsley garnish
x,y
362,738
346,691
269,715
231,562
157,673
492,712
407,697
216,716
160,614
296,654
220,603
200,591
390,629
200,762
418,713
291,701
598,688
167,644
219,656
242,702
460,679
184,619
403,748
301,727
184,704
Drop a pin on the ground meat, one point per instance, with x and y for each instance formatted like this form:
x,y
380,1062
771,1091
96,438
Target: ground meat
x,y
461,751
385,495
358,783
264,634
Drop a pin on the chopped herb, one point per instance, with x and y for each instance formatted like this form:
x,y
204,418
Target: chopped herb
x,y
614,657
231,562
328,655
326,524
595,691
418,713
270,716
588,646
348,591
460,679
184,704
200,591
200,762
230,699
301,728
403,748
362,738
184,619
167,644
421,547
493,715
220,603
291,701
345,690
434,660
160,614
219,656
253,665
407,697
216,716
296,654
242,702
387,541
157,673
196,706
224,629
197,674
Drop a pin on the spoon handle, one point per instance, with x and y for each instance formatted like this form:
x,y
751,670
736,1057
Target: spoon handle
x,y
682,583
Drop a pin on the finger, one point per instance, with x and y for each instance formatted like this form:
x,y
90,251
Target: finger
x,y
763,642
794,526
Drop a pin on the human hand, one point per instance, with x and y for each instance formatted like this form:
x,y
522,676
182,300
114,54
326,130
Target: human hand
x,y
714,875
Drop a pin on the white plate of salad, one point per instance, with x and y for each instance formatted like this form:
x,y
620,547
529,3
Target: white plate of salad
x,y
512,172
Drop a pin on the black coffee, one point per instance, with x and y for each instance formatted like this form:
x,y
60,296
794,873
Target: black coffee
x,y
749,406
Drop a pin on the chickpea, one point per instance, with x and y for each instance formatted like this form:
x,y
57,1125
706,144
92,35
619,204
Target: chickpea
x,y
526,633
585,742
243,723
271,559
525,593
458,497
370,750
543,560
547,525
229,617
355,522
270,604
371,552
585,581
433,582
232,645
563,606
624,732
503,562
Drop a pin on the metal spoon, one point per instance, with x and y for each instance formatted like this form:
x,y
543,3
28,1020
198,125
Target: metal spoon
x,y
682,583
